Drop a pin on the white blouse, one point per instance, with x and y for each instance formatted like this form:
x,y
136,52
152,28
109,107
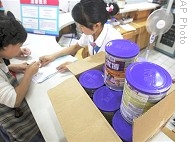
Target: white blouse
x,y
108,33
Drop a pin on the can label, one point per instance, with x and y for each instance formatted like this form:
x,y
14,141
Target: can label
x,y
134,103
114,75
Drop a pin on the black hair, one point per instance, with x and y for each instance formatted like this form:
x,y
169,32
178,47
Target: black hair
x,y
89,12
11,15
7,13
11,32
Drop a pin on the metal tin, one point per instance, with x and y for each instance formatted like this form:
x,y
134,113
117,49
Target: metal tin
x,y
146,84
91,80
108,101
122,127
120,54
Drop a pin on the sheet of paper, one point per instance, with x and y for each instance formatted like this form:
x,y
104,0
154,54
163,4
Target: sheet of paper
x,y
50,70
127,27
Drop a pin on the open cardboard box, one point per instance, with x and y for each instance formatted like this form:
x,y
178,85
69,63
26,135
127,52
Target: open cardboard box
x,y
82,121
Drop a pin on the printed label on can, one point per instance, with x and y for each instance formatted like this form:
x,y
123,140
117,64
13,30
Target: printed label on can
x,y
130,95
127,116
132,107
134,103
115,71
156,98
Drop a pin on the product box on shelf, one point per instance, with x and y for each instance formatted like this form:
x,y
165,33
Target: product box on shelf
x,y
81,120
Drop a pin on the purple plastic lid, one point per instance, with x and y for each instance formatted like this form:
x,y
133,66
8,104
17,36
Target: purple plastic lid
x,y
122,127
122,48
148,77
92,79
107,99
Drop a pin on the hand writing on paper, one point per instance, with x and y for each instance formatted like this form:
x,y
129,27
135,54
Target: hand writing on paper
x,y
32,68
62,68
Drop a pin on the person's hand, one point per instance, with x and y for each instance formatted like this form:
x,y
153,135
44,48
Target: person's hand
x,y
62,67
32,68
24,52
44,60
18,68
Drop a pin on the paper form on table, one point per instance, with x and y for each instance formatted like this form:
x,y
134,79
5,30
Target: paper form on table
x,y
128,27
50,70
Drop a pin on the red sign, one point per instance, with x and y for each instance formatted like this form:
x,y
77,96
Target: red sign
x,y
40,2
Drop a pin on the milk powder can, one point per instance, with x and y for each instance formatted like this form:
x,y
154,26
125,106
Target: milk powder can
x,y
108,101
122,127
146,84
91,80
120,53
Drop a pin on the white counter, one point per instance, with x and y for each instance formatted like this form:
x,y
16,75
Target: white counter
x,y
143,6
138,7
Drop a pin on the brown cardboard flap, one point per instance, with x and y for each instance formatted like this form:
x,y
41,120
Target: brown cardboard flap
x,y
149,123
80,119
171,89
90,62
169,133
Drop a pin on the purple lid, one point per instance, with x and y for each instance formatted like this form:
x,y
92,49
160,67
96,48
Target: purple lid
x,y
122,48
107,99
122,127
148,77
92,79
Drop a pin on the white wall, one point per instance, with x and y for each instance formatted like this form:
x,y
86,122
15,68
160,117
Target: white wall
x,y
134,1
13,6
67,5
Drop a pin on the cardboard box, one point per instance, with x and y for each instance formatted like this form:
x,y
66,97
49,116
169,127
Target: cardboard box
x,y
169,133
82,121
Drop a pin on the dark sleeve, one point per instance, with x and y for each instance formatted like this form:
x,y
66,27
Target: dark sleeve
x,y
7,62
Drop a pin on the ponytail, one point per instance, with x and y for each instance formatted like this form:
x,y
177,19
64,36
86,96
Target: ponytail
x,y
112,9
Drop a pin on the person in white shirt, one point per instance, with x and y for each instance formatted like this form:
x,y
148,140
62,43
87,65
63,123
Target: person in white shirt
x,y
90,17
16,120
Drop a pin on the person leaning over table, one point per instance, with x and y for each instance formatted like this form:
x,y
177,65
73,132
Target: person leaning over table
x,y
16,120
24,52
90,16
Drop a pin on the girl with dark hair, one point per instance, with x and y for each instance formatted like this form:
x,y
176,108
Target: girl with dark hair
x,y
16,120
90,17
